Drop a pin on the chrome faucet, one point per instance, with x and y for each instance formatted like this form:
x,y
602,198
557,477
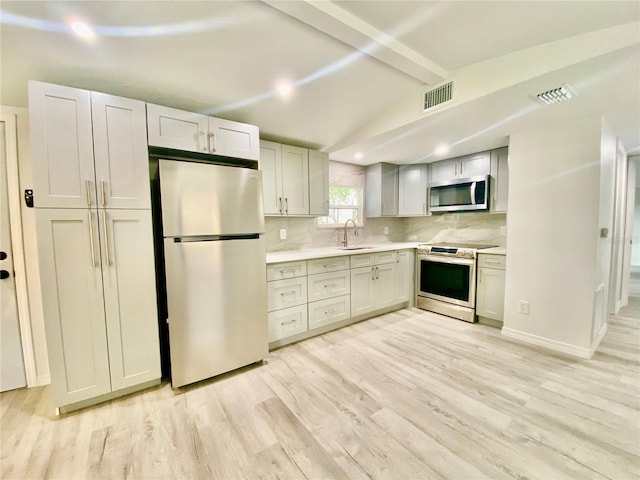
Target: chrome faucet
x,y
355,232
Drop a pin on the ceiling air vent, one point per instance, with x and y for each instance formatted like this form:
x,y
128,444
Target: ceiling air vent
x,y
555,95
438,96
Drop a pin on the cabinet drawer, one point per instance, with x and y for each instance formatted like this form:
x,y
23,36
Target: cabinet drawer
x,y
287,293
492,261
381,258
329,311
327,285
364,260
287,322
332,264
279,271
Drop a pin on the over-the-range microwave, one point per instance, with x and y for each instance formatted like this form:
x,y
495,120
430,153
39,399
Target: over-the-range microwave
x,y
459,195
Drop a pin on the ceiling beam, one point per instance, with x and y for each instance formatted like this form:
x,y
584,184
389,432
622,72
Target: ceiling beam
x,y
337,22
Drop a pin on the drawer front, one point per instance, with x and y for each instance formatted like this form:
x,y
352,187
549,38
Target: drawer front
x,y
323,265
279,271
329,311
365,260
327,285
287,322
385,257
286,293
487,260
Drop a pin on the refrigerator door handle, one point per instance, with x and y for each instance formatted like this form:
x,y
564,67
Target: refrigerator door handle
x,y
215,238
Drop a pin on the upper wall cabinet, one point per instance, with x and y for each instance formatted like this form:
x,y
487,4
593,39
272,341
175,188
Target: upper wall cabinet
x,y
172,128
499,187
318,183
412,189
381,195
461,167
91,149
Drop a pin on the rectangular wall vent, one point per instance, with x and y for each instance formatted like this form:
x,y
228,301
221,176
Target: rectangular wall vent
x,y
438,96
555,95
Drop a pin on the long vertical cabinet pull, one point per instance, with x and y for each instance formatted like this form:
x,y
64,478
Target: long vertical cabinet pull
x,y
280,202
103,195
373,273
203,134
214,147
286,207
93,250
106,238
88,187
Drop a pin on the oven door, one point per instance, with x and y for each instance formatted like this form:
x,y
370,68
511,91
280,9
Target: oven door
x,y
448,279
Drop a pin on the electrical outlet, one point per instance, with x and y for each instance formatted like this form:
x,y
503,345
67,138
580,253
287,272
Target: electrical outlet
x,y
283,234
386,230
523,307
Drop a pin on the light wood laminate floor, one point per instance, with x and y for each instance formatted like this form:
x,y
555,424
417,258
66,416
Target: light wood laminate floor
x,y
405,395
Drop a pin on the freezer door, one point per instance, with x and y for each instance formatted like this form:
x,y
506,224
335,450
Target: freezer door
x,y
204,199
217,304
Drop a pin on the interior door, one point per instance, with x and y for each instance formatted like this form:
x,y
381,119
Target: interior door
x,y
12,374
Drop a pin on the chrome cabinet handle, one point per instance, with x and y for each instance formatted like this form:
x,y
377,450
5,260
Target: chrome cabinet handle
x,y
203,134
330,265
93,250
373,273
331,310
215,142
289,322
88,187
287,270
293,292
280,208
106,238
286,205
377,273
103,195
329,285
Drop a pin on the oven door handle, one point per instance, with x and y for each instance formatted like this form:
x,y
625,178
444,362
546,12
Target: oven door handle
x,y
451,260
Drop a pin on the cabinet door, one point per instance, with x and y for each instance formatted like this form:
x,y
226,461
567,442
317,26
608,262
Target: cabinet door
x,y
72,300
271,166
130,296
362,293
405,274
490,293
172,128
476,164
61,146
384,285
121,156
286,293
331,310
327,285
444,170
287,322
412,190
295,180
318,183
499,189
389,189
233,139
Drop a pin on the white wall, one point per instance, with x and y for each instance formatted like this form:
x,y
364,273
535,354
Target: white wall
x,y
553,235
30,246
635,245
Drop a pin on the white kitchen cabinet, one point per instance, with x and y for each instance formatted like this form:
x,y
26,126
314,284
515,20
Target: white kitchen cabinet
x,y
98,284
194,132
331,264
326,285
461,167
286,293
328,311
372,288
499,185
412,189
381,190
95,242
287,322
280,271
405,276
90,149
285,177
490,287
318,183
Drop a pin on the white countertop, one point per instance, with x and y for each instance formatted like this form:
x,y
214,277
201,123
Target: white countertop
x,y
494,250
310,253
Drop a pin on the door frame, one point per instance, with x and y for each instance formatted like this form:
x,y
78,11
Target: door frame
x,y
19,265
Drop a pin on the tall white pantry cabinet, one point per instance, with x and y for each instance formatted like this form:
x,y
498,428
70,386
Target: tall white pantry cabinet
x,y
95,242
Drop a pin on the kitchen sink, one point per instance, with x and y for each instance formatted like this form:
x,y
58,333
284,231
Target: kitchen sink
x,y
355,247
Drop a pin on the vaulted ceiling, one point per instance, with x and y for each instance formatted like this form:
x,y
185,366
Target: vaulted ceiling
x,y
359,68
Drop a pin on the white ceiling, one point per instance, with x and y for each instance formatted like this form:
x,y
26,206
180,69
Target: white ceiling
x,y
361,67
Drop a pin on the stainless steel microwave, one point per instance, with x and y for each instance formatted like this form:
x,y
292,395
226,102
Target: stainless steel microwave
x,y
460,195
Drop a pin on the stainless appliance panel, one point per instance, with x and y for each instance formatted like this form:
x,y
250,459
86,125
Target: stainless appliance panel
x,y
454,274
207,199
460,194
217,306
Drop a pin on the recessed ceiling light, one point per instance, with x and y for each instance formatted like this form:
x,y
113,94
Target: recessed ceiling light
x,y
284,89
358,156
82,30
442,149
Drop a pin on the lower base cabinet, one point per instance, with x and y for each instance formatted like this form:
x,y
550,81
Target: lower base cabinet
x,y
98,292
490,287
331,310
287,322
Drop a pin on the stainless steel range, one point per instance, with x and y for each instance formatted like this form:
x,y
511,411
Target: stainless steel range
x,y
447,279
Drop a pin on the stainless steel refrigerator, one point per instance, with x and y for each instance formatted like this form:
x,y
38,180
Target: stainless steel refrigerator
x,y
212,217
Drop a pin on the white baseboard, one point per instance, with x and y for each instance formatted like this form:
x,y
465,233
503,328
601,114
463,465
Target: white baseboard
x,y
576,351
42,380
596,341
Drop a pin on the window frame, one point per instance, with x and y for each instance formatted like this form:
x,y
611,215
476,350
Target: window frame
x,y
359,207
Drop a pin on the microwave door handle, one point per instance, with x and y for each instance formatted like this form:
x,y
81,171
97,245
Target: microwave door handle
x,y
473,193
